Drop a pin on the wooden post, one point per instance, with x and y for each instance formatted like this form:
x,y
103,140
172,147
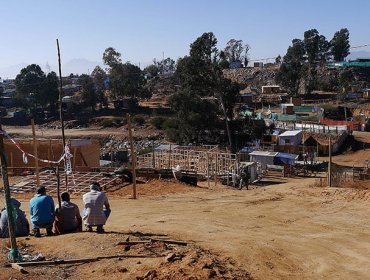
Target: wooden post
x,y
208,170
35,153
14,254
169,157
329,167
153,159
61,110
133,156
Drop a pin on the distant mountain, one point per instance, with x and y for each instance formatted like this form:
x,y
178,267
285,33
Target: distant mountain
x,y
75,66
358,54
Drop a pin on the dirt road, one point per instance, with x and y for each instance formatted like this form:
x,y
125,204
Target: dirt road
x,y
287,231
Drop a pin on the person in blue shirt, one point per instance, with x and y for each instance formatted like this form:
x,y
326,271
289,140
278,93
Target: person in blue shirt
x,y
42,212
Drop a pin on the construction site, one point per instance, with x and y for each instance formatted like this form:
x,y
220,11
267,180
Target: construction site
x,y
192,216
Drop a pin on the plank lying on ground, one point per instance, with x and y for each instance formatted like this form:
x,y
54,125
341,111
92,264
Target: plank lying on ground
x,y
19,268
84,260
151,241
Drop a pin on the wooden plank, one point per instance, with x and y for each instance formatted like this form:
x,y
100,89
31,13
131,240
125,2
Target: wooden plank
x,y
83,260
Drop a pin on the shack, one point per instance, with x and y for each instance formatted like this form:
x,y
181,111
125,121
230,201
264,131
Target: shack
x,y
291,138
263,158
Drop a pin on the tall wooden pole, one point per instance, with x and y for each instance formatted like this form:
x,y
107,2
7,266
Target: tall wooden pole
x,y
329,167
35,153
14,254
61,110
133,156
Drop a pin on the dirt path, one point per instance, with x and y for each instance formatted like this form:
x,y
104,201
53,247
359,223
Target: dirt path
x,y
288,231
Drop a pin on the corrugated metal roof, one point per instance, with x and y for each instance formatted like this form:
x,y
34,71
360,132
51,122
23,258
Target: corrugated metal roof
x,y
263,153
290,133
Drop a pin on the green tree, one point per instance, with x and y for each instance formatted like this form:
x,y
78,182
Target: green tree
x,y
167,65
340,45
34,89
235,51
88,92
99,77
291,70
152,70
125,79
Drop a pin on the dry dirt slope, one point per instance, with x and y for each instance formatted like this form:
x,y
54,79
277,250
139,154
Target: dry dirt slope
x,y
289,231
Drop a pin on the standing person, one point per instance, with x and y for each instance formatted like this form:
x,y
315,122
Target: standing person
x,y
22,227
96,208
68,219
42,212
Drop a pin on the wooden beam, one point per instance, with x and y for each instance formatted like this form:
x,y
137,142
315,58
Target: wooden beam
x,y
83,260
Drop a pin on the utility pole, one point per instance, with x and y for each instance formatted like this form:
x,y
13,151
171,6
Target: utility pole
x,y
14,255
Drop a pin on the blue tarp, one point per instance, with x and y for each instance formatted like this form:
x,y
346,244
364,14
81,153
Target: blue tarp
x,y
284,158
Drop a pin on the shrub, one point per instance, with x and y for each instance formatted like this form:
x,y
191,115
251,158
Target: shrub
x,y
157,122
139,120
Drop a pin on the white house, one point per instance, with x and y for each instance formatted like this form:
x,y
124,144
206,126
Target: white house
x,y
291,138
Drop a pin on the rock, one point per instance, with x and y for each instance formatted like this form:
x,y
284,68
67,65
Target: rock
x,y
171,257
123,270
212,274
150,275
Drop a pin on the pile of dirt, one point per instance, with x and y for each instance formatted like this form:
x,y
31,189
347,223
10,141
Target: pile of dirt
x,y
154,259
155,188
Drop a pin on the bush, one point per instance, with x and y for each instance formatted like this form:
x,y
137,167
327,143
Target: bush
x,y
139,120
111,123
157,122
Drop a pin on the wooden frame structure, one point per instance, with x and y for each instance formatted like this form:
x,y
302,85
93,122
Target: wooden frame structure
x,y
201,161
79,182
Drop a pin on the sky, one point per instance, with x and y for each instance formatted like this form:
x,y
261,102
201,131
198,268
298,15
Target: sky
x,y
143,30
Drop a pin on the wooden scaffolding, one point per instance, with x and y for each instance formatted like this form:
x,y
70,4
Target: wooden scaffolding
x,y
201,161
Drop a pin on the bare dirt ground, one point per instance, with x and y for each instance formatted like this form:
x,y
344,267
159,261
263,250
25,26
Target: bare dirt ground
x,y
286,231
95,132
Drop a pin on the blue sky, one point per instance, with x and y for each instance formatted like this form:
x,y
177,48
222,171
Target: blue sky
x,y
142,30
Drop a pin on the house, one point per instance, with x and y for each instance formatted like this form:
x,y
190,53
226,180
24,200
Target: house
x,y
291,138
320,141
271,89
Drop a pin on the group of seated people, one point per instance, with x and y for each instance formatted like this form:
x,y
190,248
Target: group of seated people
x,y
67,219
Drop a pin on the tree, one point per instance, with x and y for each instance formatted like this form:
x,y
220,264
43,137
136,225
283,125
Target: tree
x,y
125,79
99,78
88,92
111,57
167,65
152,70
34,89
340,45
291,70
50,92
235,51
194,116
205,48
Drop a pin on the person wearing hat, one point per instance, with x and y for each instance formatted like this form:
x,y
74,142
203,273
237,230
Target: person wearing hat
x,y
68,219
42,212
22,227
96,208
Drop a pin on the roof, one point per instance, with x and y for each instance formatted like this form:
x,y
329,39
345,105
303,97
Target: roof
x,y
290,133
263,153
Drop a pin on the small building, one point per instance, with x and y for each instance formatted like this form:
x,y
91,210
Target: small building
x,y
263,158
291,138
271,89
287,108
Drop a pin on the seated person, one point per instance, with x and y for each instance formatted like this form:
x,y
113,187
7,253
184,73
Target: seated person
x,y
96,208
42,212
22,227
68,219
